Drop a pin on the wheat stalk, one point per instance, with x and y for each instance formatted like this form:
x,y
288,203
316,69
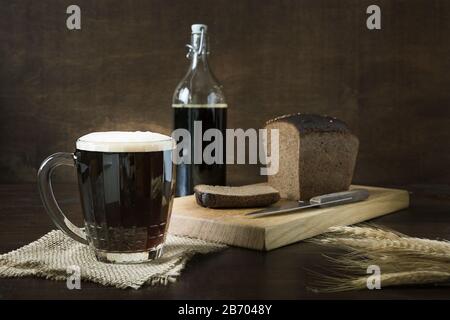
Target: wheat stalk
x,y
376,232
380,239
331,284
402,260
388,245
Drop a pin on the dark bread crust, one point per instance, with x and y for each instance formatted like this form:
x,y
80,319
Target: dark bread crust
x,y
235,197
308,123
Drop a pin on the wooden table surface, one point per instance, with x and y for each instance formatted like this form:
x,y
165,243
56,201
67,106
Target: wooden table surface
x,y
232,274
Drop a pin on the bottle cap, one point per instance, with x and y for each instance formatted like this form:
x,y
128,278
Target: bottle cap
x,y
197,28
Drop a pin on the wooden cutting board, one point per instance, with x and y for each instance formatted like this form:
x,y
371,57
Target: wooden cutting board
x,y
231,226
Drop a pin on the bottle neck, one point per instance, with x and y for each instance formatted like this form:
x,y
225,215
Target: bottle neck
x,y
199,62
199,54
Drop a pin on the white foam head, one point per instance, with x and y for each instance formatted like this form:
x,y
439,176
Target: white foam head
x,y
125,141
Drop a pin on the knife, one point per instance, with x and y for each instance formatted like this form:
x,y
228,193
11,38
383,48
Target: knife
x,y
323,201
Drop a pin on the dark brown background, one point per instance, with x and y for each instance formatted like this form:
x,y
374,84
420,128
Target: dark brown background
x,y
273,57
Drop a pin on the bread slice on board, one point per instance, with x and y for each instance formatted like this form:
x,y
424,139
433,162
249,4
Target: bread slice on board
x,y
235,197
317,155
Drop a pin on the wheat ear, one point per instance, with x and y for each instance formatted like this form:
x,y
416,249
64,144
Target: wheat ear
x,y
402,260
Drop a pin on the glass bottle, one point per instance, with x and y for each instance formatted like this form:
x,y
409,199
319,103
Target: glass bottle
x,y
198,98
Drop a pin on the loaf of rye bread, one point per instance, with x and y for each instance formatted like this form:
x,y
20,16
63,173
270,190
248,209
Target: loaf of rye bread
x,y
317,155
256,195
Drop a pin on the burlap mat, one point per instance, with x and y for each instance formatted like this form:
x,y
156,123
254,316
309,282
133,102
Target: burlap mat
x,y
51,256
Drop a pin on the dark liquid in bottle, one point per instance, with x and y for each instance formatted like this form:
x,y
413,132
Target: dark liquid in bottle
x,y
126,198
189,175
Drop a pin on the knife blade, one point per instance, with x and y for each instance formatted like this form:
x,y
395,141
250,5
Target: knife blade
x,y
323,201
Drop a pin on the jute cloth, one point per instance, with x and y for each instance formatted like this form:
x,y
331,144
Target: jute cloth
x,y
51,256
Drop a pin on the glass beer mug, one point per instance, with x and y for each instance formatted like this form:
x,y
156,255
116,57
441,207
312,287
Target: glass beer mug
x,y
126,184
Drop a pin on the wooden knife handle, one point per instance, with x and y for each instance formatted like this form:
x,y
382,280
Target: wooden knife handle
x,y
338,198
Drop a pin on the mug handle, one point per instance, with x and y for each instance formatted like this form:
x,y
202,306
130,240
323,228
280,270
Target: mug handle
x,y
48,198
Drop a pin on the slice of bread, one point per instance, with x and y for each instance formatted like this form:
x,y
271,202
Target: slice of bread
x,y
256,195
